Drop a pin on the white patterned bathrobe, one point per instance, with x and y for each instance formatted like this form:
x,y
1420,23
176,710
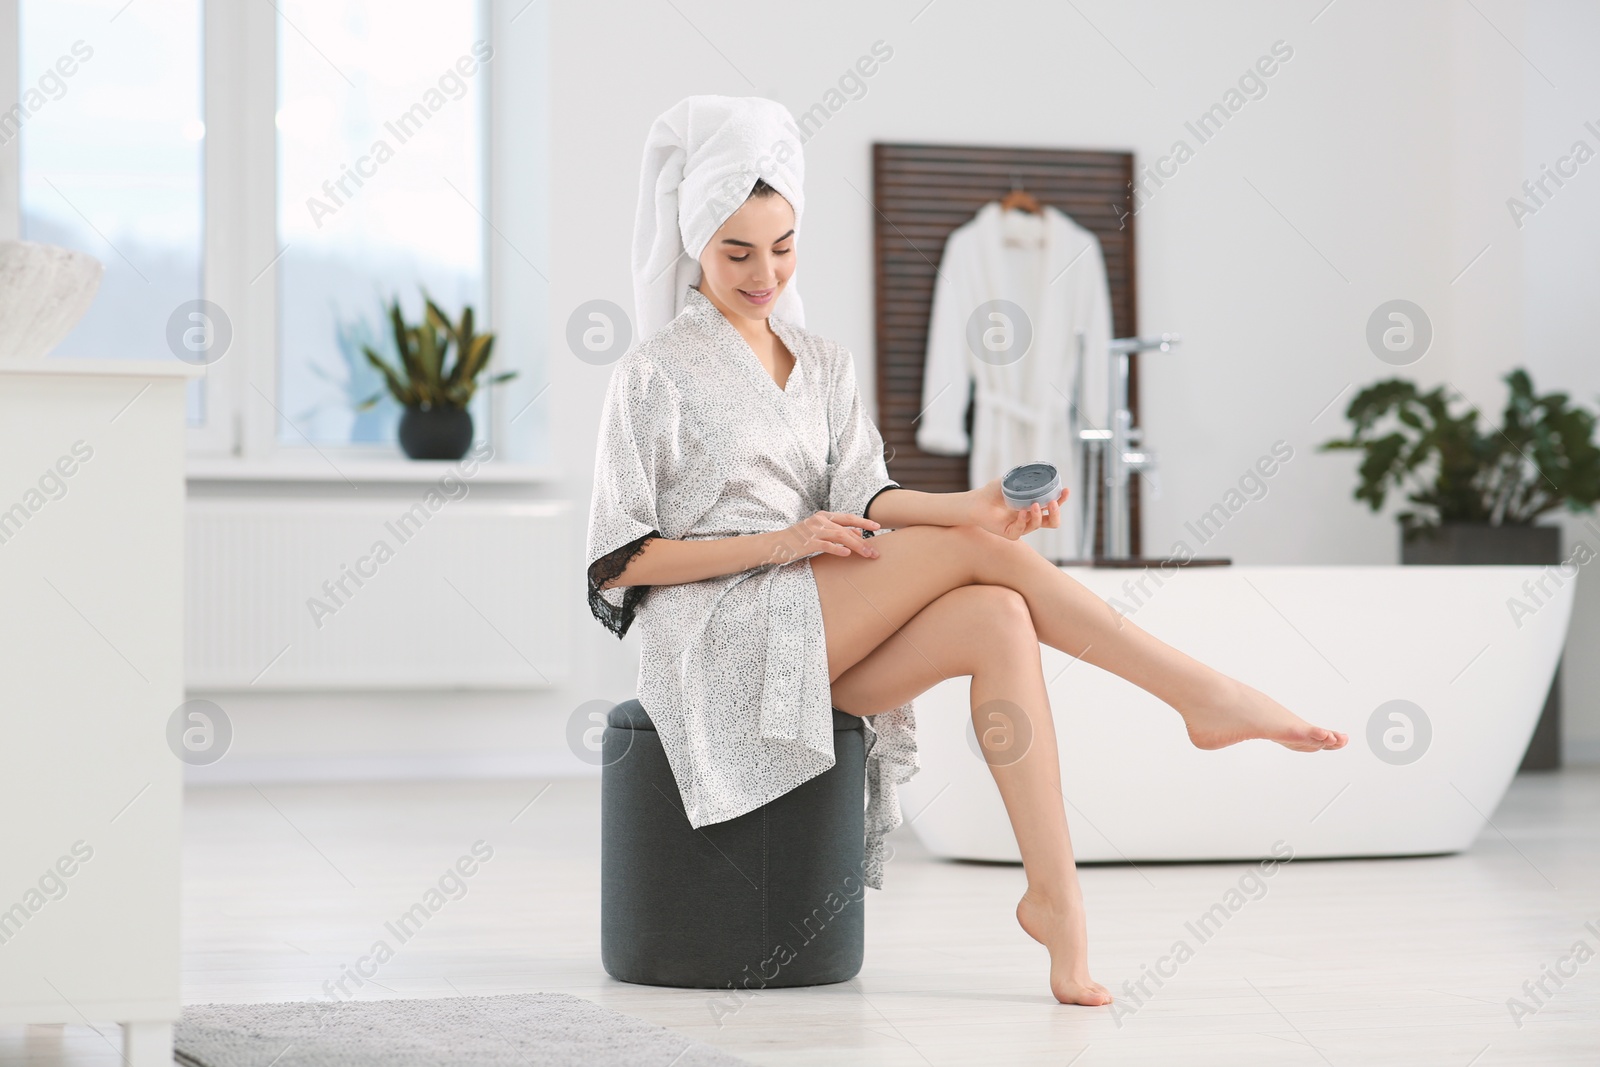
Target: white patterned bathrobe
x,y
698,441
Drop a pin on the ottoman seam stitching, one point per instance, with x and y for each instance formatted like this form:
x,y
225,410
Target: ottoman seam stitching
x,y
763,878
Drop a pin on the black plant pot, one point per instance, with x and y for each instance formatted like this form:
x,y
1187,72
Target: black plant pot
x,y
1459,543
436,433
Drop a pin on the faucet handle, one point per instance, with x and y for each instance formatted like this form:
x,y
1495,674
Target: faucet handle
x,y
1144,462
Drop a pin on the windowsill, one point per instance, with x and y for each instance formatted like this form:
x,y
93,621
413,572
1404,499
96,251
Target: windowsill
x,y
84,366
402,471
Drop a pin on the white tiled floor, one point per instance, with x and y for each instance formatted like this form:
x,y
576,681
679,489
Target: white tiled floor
x,y
1338,963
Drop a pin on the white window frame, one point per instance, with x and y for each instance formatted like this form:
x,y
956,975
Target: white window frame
x,y
10,157
240,244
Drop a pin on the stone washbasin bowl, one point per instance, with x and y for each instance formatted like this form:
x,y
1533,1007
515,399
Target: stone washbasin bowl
x,y
1437,673
44,291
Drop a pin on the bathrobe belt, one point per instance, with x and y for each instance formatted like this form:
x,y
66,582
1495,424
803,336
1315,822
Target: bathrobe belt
x,y
1033,415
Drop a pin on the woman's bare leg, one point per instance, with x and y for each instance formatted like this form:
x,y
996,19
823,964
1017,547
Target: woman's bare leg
x,y
865,600
986,631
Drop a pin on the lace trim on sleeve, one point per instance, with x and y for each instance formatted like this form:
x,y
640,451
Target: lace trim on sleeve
x,y
870,499
603,570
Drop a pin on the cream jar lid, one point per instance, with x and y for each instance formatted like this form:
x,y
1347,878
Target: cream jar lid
x,y
1029,484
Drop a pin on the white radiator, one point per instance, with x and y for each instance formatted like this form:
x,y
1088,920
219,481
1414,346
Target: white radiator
x,y
314,594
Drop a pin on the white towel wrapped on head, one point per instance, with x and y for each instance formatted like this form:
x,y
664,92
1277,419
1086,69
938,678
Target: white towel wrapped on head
x,y
701,158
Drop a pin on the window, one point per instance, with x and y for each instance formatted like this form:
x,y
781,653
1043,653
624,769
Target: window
x,y
109,124
296,164
379,174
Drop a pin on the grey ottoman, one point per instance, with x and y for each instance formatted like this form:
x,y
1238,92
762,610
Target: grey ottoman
x,y
772,898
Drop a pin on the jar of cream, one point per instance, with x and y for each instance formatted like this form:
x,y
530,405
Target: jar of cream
x,y
1029,484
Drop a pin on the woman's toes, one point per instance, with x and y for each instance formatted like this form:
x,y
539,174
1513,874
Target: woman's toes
x,y
1330,739
1089,994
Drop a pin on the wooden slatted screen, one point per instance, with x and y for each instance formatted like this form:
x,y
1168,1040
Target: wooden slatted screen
x,y
923,192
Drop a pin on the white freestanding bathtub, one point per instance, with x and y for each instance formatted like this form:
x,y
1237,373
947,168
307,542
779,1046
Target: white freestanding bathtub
x,y
1334,644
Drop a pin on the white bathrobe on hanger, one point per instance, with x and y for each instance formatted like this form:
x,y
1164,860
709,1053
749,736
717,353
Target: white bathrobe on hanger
x,y
1033,407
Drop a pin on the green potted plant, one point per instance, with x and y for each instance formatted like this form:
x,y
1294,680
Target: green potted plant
x,y
1477,493
433,390
1475,490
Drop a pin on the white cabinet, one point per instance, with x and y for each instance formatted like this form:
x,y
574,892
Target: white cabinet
x,y
91,671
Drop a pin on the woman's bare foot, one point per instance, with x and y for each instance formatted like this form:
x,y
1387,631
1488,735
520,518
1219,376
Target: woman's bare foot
x,y
1061,929
1237,712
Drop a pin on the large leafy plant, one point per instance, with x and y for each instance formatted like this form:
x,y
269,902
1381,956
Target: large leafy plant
x,y
1542,456
426,377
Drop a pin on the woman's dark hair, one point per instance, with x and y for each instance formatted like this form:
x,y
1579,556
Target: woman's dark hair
x,y
761,188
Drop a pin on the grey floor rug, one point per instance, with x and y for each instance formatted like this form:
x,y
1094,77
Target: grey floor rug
x,y
520,1030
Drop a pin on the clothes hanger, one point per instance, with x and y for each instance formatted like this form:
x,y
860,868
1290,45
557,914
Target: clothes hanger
x,y
1019,198
1021,230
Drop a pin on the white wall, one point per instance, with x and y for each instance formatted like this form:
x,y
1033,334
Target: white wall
x,y
1561,317
1376,166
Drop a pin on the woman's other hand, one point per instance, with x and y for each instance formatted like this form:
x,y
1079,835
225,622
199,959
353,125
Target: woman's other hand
x,y
988,508
834,532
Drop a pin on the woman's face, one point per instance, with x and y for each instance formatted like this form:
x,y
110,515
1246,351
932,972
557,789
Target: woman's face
x,y
748,261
